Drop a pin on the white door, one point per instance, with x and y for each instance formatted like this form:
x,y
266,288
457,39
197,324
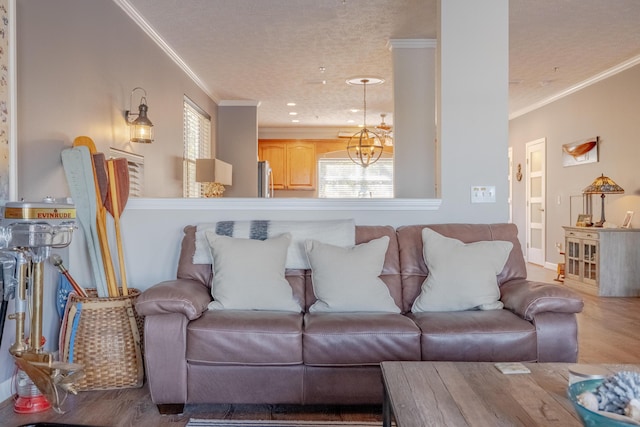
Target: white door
x,y
535,189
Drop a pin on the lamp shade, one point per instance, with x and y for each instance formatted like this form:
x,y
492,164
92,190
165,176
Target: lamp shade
x,y
603,185
213,170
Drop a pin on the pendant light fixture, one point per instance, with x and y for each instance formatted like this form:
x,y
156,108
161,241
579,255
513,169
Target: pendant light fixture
x,y
385,131
365,147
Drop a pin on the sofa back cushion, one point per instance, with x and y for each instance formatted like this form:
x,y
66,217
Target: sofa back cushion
x,y
390,271
203,273
414,270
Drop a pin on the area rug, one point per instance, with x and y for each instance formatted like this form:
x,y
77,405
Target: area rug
x,y
197,422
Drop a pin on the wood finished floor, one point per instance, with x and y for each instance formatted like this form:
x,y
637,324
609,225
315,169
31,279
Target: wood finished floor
x,y
608,333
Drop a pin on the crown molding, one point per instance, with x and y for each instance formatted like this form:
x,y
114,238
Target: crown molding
x,y
238,103
412,43
133,13
575,88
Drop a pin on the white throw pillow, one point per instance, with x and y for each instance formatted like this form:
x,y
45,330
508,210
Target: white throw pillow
x,y
461,276
347,279
250,274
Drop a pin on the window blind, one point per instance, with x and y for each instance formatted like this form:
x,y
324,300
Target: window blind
x,y
341,178
197,145
135,164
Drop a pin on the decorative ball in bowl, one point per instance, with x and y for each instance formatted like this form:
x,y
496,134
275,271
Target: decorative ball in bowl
x,y
604,403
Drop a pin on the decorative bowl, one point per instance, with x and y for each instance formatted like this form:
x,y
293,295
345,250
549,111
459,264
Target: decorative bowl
x,y
591,418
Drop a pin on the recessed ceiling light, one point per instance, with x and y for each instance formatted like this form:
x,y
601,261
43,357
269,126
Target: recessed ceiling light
x,y
351,121
291,104
295,121
293,113
354,110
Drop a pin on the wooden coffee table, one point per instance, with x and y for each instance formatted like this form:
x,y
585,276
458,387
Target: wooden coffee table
x,y
420,394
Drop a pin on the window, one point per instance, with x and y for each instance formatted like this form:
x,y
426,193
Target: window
x,y
341,178
197,145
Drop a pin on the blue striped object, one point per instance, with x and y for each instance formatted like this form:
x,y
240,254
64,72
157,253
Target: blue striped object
x,y
62,294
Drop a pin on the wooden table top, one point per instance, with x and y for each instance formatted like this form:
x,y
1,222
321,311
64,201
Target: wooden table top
x,y
477,394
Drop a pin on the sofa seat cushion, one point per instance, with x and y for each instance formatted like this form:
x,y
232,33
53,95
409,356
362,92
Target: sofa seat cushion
x,y
247,337
357,339
476,336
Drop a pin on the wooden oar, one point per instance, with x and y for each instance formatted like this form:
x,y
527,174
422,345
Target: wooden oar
x,y
100,183
118,170
77,168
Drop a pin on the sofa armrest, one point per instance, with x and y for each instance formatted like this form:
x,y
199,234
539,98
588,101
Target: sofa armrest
x,y
184,296
527,298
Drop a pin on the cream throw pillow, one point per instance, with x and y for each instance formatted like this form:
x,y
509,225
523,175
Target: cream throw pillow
x,y
347,279
461,276
249,274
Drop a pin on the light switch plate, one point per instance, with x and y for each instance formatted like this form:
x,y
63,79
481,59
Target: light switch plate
x,y
483,194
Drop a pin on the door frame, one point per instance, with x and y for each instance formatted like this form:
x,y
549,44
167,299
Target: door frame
x,y
536,257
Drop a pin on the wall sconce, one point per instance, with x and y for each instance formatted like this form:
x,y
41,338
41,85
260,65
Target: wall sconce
x,y
214,174
141,127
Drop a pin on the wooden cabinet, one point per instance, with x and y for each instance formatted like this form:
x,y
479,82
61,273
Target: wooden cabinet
x,y
275,154
293,164
604,261
301,166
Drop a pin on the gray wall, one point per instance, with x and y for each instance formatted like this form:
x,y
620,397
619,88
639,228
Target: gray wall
x,y
609,109
78,61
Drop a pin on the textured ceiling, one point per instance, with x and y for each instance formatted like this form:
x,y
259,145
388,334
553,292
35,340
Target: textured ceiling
x,y
272,51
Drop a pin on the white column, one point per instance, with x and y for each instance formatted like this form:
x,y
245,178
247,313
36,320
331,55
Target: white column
x,y
414,126
473,74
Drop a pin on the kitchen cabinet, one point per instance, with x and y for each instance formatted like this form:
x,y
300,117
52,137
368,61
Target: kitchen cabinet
x,y
293,164
604,261
275,154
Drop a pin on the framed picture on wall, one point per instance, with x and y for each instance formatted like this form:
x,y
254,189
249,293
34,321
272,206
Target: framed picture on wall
x,y
580,152
626,223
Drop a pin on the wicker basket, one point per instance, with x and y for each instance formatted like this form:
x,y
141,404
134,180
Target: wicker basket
x,y
103,335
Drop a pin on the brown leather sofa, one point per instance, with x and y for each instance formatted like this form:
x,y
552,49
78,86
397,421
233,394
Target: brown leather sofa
x,y
193,355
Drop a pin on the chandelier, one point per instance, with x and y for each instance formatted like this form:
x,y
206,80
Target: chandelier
x,y
365,147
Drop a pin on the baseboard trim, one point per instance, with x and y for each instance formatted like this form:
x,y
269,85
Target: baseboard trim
x,y
551,266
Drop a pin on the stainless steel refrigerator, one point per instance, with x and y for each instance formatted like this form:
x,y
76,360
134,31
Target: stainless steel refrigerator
x,y
265,180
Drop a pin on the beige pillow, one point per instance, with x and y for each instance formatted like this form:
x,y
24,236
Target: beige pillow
x,y
249,274
347,279
461,276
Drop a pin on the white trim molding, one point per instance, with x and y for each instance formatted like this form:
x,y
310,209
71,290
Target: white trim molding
x,y
583,84
412,43
285,204
238,103
133,13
